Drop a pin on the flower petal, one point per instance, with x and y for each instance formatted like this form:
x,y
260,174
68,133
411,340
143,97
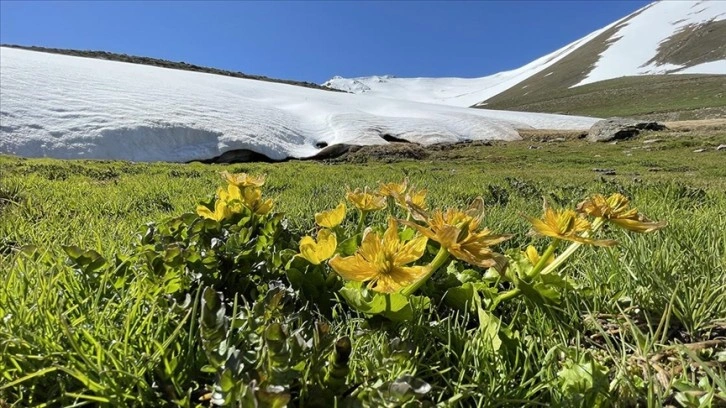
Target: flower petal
x,y
638,225
353,268
327,243
411,251
398,278
331,218
243,179
308,250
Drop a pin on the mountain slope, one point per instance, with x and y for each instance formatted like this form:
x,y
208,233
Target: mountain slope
x,y
71,107
668,37
452,91
653,97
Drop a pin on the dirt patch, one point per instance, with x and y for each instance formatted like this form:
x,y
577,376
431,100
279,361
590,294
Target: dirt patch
x,y
709,125
387,153
650,97
551,135
694,44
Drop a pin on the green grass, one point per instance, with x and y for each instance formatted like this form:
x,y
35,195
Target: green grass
x,y
672,97
114,336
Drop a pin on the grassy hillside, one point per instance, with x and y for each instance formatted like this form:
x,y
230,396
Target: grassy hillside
x,y
641,323
672,97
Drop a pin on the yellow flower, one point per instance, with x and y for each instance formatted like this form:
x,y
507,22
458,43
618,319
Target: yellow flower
x,y
243,179
457,232
381,260
404,194
252,198
393,189
231,195
616,209
331,218
365,201
317,252
417,198
565,225
534,257
221,211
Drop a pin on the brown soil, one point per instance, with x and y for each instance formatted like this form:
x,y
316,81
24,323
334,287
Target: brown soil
x,y
550,135
693,45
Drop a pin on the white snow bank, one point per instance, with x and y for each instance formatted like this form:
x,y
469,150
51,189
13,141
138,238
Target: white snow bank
x,y
71,107
713,67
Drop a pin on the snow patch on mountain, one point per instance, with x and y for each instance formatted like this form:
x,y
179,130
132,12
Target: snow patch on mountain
x,y
71,107
637,41
453,91
628,53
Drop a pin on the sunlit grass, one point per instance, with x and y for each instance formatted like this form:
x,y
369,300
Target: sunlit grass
x,y
71,336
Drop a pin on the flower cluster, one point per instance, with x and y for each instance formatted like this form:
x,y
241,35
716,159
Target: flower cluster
x,y
243,191
418,252
394,260
383,259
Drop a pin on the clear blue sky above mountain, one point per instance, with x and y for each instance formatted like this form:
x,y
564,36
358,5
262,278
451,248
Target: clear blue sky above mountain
x,y
313,41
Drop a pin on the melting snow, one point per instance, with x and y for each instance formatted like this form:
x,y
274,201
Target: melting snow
x,y
71,107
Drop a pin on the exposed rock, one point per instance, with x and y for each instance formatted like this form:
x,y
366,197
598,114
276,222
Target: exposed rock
x,y
239,156
619,128
699,150
393,139
721,147
607,172
334,151
651,141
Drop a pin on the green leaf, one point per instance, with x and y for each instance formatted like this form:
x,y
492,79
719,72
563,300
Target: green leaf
x,y
584,381
393,306
489,326
349,246
213,327
407,234
461,297
89,260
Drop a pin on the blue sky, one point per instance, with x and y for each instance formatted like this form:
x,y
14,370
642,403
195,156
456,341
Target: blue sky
x,y
313,41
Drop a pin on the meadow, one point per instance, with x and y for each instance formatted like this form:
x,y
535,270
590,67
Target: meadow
x,y
118,291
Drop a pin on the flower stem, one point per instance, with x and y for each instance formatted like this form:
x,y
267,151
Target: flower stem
x,y
572,248
543,259
441,257
361,221
506,296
